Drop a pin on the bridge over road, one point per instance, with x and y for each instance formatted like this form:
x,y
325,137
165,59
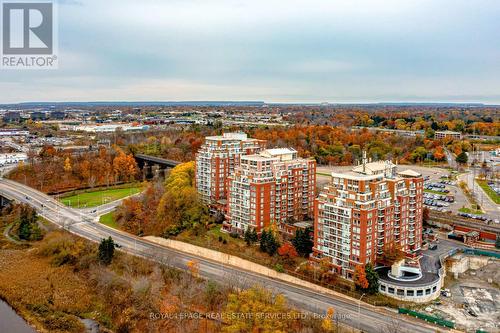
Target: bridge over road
x,y
152,165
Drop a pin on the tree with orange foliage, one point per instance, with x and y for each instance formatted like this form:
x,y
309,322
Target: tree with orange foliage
x,y
439,154
327,323
194,268
359,277
124,166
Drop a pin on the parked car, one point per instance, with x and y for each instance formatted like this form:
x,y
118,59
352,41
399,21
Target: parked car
x,y
446,293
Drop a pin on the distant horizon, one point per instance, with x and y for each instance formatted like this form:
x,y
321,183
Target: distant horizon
x,y
244,102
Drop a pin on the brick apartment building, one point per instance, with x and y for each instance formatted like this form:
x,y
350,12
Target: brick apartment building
x,y
216,160
364,211
274,186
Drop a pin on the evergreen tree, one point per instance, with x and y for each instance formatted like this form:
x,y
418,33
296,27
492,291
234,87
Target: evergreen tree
x,y
462,158
263,241
24,230
106,251
497,243
269,243
273,245
372,278
303,242
250,236
28,228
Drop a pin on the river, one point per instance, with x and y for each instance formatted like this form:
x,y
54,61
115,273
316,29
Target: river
x,y
11,322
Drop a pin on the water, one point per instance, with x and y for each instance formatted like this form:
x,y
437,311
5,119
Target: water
x,y
11,322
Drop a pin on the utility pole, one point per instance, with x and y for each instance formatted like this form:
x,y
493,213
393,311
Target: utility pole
x,y
359,311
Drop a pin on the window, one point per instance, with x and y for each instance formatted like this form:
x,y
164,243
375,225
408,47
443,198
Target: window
x,y
410,293
428,291
420,292
401,292
391,290
382,287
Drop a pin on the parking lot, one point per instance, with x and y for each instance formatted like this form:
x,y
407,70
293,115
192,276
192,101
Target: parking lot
x,y
437,196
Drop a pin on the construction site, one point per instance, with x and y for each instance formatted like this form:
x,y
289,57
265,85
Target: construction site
x,y
471,294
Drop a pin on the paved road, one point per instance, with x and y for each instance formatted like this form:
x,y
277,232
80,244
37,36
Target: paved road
x,y
430,258
491,209
451,159
369,319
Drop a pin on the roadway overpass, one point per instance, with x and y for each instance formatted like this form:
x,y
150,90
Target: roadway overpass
x,y
152,165
351,312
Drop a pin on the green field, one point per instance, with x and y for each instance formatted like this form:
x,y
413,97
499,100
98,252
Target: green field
x,y
323,174
97,198
470,211
109,220
492,194
435,192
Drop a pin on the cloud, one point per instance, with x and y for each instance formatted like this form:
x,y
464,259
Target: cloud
x,y
297,50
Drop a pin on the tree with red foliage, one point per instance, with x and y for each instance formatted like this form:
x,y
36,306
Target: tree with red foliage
x,y
359,277
287,250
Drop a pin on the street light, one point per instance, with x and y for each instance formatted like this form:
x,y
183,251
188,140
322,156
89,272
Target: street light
x,y
359,310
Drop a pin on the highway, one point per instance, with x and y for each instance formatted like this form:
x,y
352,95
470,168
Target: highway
x,y
350,312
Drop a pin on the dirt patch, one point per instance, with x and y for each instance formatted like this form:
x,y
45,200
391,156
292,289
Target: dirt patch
x,y
475,300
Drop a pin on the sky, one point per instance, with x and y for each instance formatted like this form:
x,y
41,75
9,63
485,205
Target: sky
x,y
274,51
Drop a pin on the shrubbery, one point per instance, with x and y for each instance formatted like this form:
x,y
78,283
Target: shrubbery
x,y
64,249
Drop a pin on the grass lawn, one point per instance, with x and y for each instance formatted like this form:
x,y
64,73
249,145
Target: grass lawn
x,y
435,192
470,211
109,220
96,198
323,174
489,191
